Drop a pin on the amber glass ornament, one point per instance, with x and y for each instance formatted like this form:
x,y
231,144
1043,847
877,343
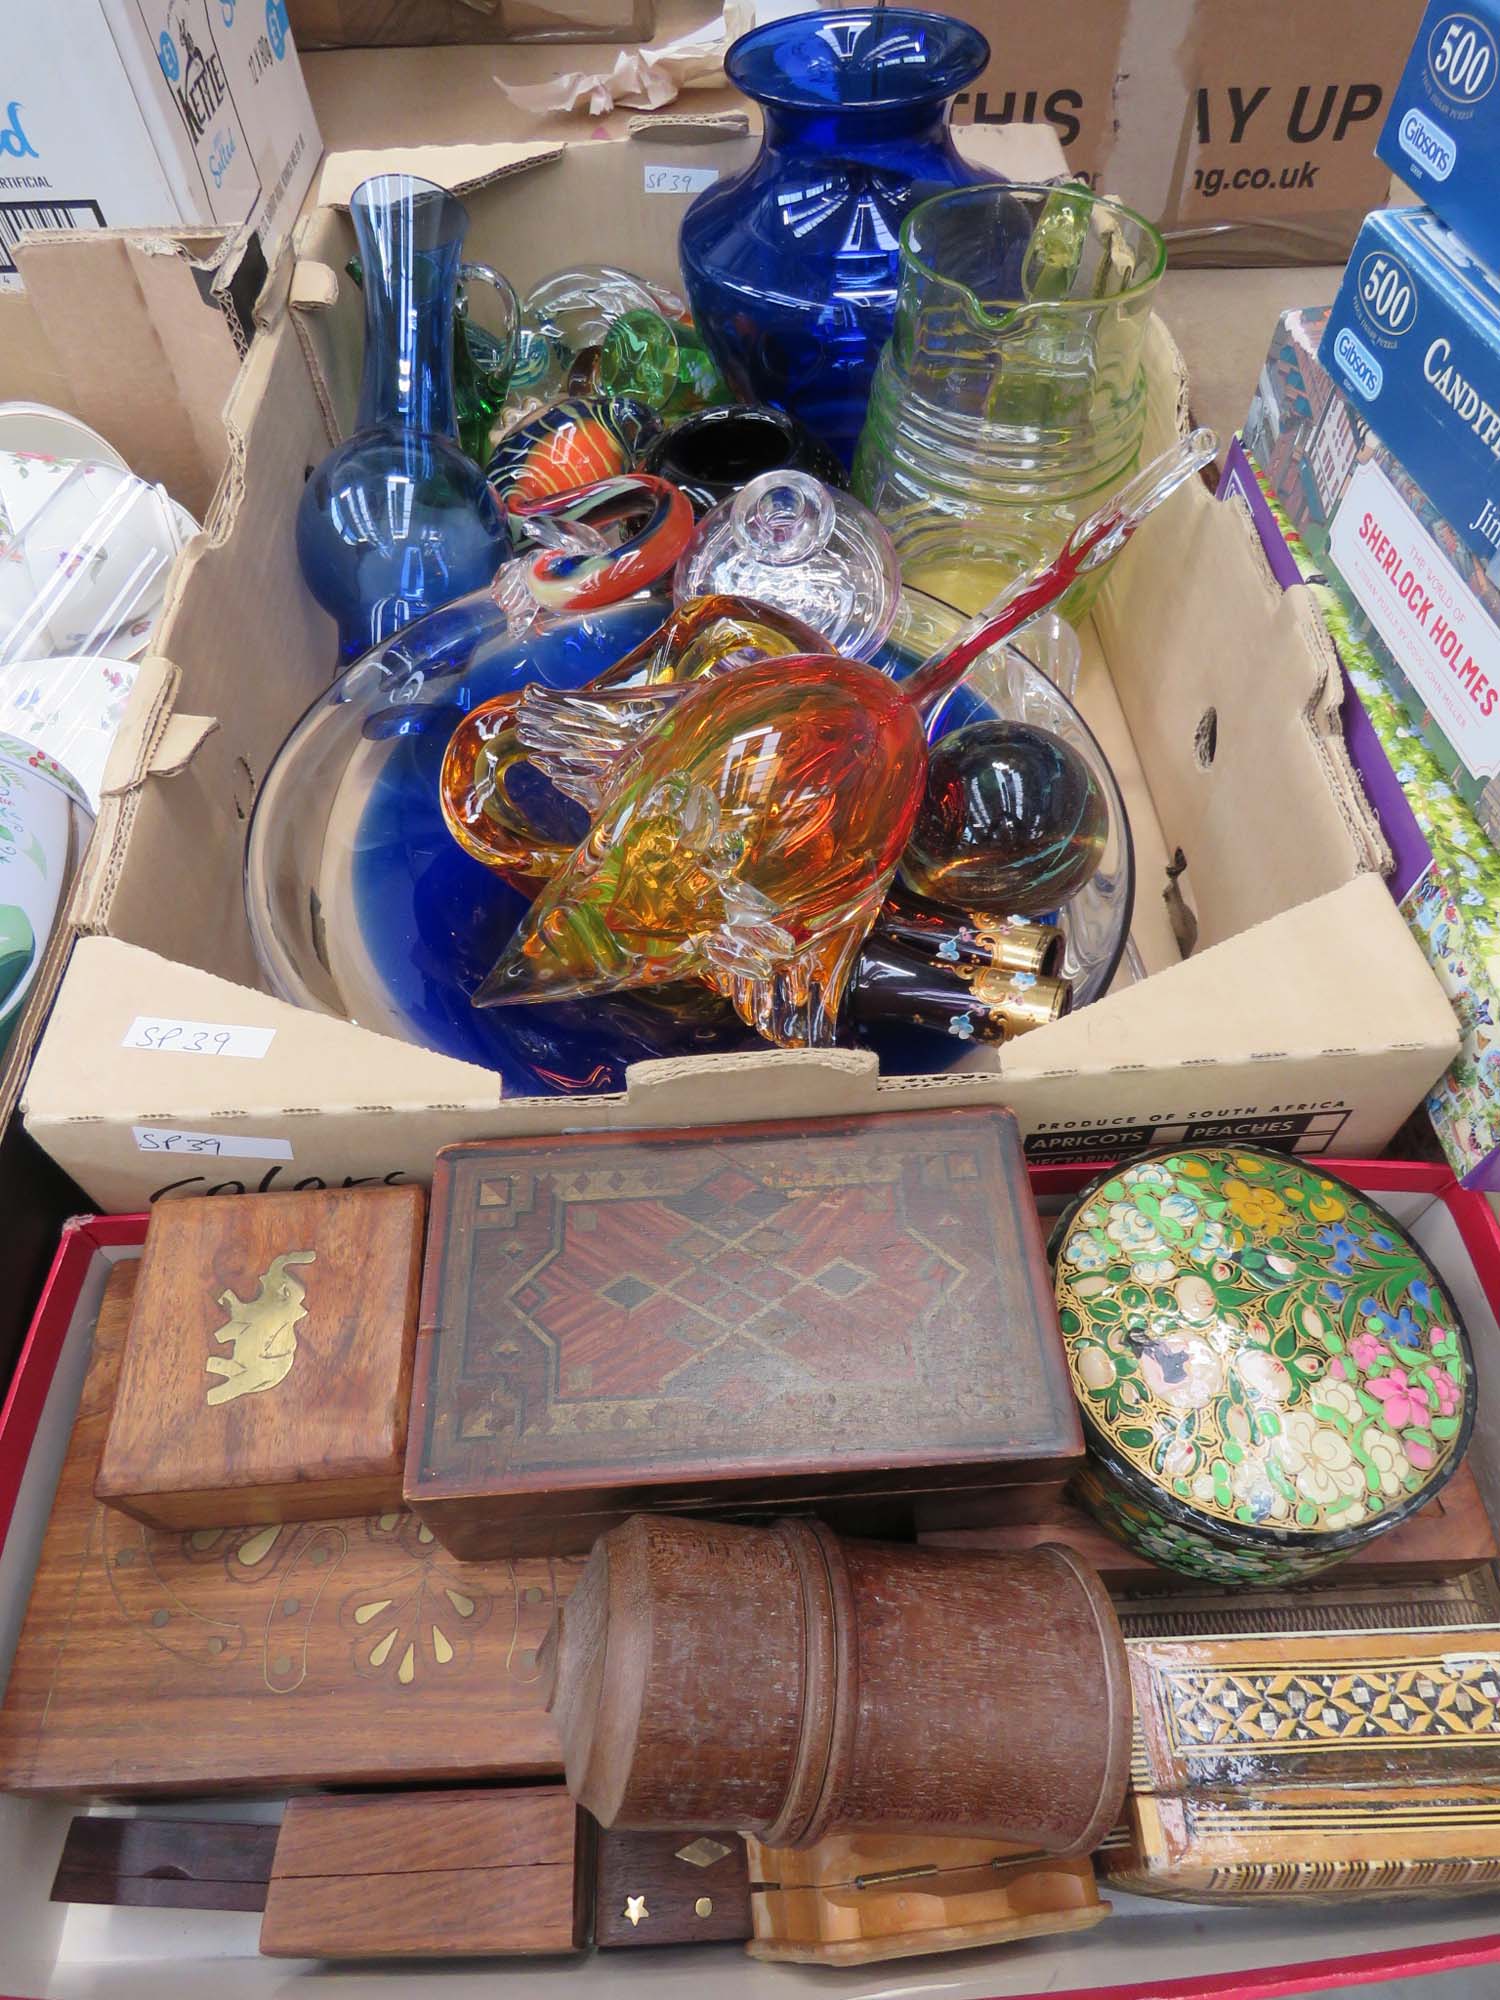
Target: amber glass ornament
x,y
1012,821
481,810
744,829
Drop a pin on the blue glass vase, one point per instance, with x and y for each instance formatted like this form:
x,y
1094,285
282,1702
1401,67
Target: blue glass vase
x,y
792,266
397,521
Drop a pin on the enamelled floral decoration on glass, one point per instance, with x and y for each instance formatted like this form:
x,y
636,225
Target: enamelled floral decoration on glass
x,y
1263,1359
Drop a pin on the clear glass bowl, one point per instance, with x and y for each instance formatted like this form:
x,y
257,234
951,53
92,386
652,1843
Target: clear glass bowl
x,y
362,905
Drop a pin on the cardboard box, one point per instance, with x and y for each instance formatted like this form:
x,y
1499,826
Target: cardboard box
x,y
1446,880
1146,1950
1268,1030
153,112
1248,134
1414,339
1442,132
1245,131
117,331
367,24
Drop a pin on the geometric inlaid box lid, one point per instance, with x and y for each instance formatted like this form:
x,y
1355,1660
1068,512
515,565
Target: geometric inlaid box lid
x,y
743,1313
267,1369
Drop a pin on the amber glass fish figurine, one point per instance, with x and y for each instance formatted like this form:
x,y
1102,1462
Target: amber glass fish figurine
x,y
745,827
481,809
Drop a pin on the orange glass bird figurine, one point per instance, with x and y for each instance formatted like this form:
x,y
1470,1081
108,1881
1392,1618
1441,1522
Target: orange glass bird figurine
x,y
745,827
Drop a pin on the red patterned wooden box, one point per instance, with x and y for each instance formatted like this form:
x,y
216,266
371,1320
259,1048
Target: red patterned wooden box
x,y
738,1316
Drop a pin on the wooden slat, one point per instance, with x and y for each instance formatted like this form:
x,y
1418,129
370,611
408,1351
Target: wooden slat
x,y
431,1874
409,1832
166,1863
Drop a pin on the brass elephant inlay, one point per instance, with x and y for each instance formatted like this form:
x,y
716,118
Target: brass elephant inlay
x,y
262,1331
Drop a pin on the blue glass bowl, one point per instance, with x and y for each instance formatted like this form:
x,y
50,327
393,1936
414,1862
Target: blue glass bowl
x,y
362,904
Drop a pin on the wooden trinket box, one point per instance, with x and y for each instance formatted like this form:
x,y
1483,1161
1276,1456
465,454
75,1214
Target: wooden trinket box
x,y
669,1888
857,1898
462,1874
793,1685
1307,1765
267,1371
737,1318
274,1658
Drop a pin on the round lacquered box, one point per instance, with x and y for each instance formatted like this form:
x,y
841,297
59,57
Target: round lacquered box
x,y
1269,1370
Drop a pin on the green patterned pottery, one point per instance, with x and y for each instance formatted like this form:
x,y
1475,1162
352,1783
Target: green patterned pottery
x,y
1270,1372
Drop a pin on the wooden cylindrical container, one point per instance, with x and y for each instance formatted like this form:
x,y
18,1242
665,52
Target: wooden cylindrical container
x,y
789,1683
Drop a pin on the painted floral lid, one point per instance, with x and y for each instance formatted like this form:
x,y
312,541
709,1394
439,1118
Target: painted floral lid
x,y
1260,1348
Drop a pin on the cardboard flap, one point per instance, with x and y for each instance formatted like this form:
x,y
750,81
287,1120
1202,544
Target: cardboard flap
x,y
1235,701
1349,975
150,701
314,286
456,167
180,743
112,358
760,1083
299,1069
689,128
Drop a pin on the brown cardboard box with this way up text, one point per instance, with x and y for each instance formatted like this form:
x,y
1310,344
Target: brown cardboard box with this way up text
x,y
1247,131
1304,1015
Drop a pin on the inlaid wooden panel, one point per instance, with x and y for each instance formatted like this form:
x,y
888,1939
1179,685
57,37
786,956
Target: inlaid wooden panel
x,y
1296,1766
320,1653
669,1888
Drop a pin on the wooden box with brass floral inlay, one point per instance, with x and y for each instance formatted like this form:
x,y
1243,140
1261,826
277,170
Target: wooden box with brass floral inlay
x,y
745,1316
276,1658
1290,1766
267,1372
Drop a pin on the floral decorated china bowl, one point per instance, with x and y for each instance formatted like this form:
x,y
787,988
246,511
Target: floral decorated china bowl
x,y
1269,1370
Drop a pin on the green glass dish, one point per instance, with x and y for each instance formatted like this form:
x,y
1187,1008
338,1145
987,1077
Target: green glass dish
x,y
1269,1370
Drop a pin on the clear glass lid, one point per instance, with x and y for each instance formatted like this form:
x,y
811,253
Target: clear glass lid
x,y
789,541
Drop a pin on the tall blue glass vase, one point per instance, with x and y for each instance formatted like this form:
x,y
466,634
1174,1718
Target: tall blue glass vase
x,y
791,266
397,521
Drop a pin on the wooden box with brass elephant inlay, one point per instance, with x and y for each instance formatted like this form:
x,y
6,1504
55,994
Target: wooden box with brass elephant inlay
x,y
267,1369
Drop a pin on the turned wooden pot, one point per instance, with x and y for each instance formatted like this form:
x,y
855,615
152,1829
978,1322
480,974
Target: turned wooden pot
x,y
790,1683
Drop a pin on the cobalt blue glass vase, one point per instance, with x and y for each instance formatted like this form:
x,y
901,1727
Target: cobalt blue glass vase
x,y
396,521
791,266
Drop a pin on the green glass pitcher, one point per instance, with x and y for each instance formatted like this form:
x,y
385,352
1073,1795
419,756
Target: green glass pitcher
x,y
1010,401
